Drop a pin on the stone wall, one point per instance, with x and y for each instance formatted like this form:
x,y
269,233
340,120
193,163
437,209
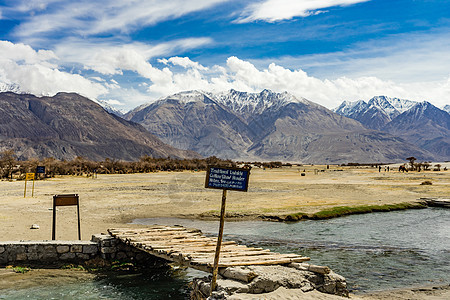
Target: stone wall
x,y
58,253
46,253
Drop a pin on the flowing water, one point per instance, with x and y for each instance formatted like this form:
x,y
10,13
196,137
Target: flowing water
x,y
375,251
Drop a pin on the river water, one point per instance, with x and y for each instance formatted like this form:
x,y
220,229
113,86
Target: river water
x,y
375,251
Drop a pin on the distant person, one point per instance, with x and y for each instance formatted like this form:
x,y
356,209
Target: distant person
x,y
388,168
379,169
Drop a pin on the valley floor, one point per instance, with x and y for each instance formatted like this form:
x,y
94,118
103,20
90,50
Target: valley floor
x,y
110,201
114,200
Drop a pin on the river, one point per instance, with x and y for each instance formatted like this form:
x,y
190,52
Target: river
x,y
375,251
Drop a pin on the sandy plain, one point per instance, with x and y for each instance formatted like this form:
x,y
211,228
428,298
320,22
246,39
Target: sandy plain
x,y
110,201
114,200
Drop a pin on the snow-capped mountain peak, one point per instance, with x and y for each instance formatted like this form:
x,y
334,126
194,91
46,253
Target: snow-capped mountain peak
x,y
255,103
5,87
391,106
446,108
188,96
348,108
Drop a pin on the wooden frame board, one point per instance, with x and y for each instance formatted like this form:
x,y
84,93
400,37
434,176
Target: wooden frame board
x,y
223,178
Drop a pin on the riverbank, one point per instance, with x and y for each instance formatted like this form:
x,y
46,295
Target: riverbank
x,y
434,292
36,278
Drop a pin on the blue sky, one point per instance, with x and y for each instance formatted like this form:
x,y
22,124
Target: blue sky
x,y
130,52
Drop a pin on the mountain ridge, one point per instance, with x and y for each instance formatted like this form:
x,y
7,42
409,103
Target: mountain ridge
x,y
267,126
68,125
420,123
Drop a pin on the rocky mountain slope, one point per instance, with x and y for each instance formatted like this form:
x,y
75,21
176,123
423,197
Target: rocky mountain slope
x,y
375,113
266,126
424,125
69,125
419,123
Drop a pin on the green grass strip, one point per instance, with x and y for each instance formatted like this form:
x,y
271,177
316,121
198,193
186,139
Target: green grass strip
x,y
340,211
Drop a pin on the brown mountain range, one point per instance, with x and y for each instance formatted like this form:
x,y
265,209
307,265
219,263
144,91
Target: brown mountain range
x,y
69,125
267,126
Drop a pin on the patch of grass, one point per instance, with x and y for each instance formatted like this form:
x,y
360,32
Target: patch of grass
x,y
339,211
19,269
122,266
73,267
296,217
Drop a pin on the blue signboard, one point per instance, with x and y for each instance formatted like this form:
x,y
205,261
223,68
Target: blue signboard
x,y
40,169
227,178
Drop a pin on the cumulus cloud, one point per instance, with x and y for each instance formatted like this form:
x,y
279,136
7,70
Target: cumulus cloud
x,y
22,52
35,72
244,76
276,10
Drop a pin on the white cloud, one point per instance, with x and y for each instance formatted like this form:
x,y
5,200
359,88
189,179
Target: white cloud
x,y
184,62
244,76
87,17
109,57
113,102
277,10
413,57
33,73
21,52
35,5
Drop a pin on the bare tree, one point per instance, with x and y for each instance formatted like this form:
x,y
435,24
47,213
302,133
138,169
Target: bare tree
x,y
8,160
412,159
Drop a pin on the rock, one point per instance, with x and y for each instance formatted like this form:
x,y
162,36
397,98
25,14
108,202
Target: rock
x,y
296,280
231,286
238,273
62,249
312,268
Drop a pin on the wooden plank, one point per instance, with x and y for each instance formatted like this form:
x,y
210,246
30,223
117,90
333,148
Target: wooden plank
x,y
254,258
189,247
65,200
262,262
231,253
171,235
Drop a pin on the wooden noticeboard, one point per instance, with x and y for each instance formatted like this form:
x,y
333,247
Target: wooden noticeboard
x,y
235,179
227,178
65,200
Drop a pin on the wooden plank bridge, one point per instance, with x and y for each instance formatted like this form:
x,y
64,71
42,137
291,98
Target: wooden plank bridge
x,y
189,247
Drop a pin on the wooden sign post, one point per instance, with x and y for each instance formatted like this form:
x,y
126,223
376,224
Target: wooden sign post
x,y
65,200
225,179
28,176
